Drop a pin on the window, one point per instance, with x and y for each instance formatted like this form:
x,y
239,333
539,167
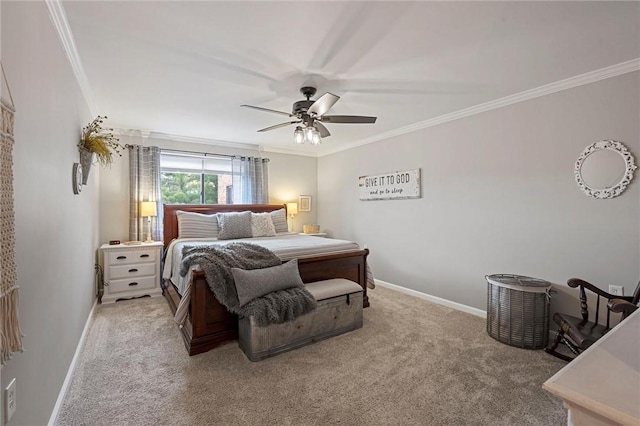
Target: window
x,y
187,178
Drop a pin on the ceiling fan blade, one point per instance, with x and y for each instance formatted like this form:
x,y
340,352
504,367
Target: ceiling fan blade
x,y
323,104
348,119
277,126
268,110
324,132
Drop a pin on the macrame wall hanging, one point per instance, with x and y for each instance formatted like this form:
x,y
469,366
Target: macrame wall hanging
x,y
10,332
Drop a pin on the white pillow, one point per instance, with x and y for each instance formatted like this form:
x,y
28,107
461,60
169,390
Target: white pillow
x,y
262,225
197,225
279,218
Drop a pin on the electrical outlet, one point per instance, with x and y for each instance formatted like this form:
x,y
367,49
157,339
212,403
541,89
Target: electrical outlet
x,y
617,290
10,400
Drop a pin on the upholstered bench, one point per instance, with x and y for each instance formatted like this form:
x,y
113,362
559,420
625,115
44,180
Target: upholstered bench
x,y
339,311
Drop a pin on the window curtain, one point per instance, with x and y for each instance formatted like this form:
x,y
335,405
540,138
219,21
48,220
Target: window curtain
x,y
10,331
250,180
144,185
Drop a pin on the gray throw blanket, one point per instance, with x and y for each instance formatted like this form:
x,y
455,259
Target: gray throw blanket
x,y
216,263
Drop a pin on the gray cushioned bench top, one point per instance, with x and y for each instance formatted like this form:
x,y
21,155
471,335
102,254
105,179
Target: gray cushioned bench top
x,y
335,287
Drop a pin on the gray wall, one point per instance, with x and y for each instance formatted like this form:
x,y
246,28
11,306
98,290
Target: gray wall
x,y
499,196
56,231
289,177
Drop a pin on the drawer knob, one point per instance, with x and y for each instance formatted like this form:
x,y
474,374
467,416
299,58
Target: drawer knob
x,y
132,284
144,255
133,270
121,257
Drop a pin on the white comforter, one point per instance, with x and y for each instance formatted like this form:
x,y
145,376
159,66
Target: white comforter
x,y
285,246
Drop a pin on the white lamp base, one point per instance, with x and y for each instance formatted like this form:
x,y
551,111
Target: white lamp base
x,y
148,240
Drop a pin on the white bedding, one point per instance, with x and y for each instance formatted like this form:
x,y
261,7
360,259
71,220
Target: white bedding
x,y
286,246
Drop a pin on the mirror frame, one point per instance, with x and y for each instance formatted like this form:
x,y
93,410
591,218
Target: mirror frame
x,y
616,189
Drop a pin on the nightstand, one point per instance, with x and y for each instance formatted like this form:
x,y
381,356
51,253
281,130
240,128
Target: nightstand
x,y
318,234
131,270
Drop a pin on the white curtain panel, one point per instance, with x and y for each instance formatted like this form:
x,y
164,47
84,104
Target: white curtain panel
x,y
144,185
250,180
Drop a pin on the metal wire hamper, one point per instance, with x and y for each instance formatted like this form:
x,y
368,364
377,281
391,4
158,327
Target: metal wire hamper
x,y
518,310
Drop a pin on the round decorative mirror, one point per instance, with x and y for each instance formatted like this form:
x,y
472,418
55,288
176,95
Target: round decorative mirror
x,y
604,169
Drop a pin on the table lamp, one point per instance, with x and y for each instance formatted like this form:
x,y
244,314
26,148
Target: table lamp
x,y
292,210
148,209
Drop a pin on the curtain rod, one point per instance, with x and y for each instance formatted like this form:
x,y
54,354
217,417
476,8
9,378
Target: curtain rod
x,y
180,151
206,154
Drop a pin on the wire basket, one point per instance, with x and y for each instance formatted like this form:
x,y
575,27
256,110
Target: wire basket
x,y
518,310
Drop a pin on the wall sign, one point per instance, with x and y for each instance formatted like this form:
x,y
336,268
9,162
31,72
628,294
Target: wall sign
x,y
390,186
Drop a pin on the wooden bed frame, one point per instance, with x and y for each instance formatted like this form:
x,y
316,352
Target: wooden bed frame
x,y
209,323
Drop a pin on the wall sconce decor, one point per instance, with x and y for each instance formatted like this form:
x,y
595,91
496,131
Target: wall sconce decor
x,y
77,178
97,144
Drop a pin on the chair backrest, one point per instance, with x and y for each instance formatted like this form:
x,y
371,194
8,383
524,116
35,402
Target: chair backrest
x,y
584,309
636,295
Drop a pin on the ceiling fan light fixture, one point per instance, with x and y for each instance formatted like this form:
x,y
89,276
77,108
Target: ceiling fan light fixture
x,y
308,134
315,137
311,115
298,135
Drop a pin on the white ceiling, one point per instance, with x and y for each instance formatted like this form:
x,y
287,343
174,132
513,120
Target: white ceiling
x,y
184,68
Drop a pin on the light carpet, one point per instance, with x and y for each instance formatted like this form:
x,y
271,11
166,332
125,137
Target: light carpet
x,y
413,363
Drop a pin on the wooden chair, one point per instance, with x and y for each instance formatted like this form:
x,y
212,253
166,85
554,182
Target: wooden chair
x,y
580,333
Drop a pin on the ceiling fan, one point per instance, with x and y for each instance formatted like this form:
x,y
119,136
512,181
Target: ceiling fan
x,y
311,115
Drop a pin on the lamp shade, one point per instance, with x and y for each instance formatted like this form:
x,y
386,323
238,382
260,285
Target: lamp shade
x,y
148,208
292,208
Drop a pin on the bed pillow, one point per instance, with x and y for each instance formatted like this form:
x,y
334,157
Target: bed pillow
x,y
279,219
234,225
262,225
254,283
197,225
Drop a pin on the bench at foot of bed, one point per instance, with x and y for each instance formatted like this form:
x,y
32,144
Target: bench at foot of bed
x,y
339,311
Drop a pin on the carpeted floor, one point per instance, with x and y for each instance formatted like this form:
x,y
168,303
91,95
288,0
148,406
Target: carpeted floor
x,y
413,363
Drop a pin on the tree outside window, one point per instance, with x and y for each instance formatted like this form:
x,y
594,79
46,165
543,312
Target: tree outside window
x,y
194,179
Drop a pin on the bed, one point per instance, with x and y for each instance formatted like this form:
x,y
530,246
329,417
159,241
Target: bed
x,y
208,323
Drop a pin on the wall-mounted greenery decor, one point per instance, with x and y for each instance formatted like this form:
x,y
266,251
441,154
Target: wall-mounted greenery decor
x,y
97,144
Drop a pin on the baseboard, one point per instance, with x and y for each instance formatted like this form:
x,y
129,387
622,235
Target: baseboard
x,y
72,366
434,299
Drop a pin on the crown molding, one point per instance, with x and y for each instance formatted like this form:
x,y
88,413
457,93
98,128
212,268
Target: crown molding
x,y
558,86
229,144
290,151
201,141
210,142
548,89
59,19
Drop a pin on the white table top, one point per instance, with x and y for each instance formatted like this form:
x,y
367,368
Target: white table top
x,y
605,379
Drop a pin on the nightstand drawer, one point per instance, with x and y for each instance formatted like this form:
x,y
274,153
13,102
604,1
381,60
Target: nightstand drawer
x,y
132,284
123,257
129,271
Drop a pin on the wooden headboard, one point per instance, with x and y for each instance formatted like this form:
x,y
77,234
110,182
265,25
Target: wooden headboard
x,y
171,219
